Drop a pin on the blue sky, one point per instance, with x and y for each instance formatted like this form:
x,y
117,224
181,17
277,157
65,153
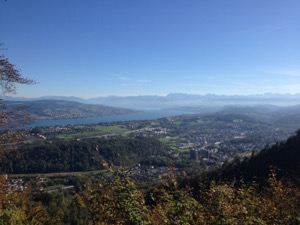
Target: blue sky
x,y
153,47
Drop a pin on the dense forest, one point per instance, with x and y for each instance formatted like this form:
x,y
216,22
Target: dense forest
x,y
82,155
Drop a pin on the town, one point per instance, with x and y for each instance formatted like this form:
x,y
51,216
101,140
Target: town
x,y
209,140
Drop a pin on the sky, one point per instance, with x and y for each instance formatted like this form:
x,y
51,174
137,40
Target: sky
x,y
100,48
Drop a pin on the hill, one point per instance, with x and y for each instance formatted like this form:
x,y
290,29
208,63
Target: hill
x,y
83,155
284,157
61,109
283,116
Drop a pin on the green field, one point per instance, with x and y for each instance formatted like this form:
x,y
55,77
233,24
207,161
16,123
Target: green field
x,y
97,130
168,141
237,120
110,129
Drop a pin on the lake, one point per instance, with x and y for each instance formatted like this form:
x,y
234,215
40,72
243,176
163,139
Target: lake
x,y
143,115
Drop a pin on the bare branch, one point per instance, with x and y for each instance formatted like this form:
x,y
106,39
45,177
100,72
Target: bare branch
x,y
10,76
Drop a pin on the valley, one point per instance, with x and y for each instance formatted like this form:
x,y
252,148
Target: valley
x,y
190,142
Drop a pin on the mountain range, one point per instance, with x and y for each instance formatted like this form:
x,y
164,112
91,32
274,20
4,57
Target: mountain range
x,y
277,109
178,100
62,109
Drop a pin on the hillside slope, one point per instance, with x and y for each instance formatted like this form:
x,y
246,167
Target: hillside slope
x,y
60,109
283,156
277,115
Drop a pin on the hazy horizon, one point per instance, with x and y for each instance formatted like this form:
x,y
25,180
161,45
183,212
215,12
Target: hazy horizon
x,y
137,48
157,95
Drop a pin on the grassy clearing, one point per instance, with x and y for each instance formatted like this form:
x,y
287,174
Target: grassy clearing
x,y
237,120
110,129
98,130
164,140
167,139
193,123
177,123
169,142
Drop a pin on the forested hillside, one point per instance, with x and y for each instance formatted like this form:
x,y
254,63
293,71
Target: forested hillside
x,y
84,155
284,157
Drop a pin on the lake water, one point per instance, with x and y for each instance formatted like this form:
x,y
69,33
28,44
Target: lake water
x,y
143,115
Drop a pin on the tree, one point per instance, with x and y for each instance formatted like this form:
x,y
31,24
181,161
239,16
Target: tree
x,y
10,76
12,116
116,200
13,203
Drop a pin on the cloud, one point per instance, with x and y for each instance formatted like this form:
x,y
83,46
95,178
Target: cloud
x,y
293,89
240,83
133,82
174,71
267,30
293,73
143,81
121,77
285,72
260,31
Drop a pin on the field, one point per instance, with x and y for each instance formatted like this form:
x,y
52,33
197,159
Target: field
x,y
96,131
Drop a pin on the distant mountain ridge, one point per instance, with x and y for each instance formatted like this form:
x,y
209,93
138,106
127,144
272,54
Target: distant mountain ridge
x,y
177,100
114,105
62,109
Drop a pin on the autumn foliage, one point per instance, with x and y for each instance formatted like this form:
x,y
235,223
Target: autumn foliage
x,y
122,202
